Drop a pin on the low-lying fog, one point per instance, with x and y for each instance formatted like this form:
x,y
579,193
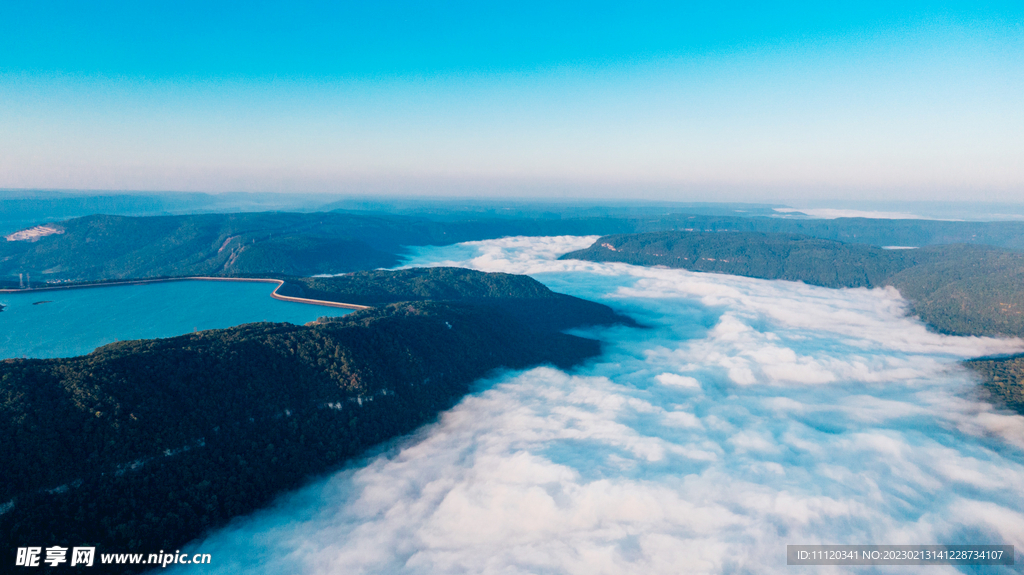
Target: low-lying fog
x,y
753,414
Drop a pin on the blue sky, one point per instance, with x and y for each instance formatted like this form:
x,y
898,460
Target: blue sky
x,y
659,100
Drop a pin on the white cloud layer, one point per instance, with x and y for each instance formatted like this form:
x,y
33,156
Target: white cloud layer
x,y
833,213
752,414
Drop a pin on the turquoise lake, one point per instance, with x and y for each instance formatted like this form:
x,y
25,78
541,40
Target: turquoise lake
x,y
77,321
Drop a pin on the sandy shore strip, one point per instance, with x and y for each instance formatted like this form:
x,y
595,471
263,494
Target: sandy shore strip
x,y
273,294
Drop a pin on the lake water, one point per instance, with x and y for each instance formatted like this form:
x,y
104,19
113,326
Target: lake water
x,y
77,321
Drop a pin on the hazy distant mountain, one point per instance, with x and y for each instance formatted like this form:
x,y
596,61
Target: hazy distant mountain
x,y
118,247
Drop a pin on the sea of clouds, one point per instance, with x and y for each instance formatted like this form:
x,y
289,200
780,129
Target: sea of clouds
x,y
748,415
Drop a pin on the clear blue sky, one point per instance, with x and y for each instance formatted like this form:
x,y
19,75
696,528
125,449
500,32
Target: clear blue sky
x,y
625,99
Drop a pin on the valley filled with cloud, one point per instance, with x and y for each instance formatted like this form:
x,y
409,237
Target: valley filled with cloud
x,y
744,416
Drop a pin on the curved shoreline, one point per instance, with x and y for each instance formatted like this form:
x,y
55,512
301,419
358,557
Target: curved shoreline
x,y
273,294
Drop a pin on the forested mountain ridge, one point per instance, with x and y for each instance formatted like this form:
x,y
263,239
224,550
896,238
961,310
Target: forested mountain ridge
x,y
102,247
119,247
826,263
416,284
956,289
966,290
867,231
519,295
1003,378
145,444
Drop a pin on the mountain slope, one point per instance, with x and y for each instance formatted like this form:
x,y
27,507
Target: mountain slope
x,y
518,295
956,289
144,445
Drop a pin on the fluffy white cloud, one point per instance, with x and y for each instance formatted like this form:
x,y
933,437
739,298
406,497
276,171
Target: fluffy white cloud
x,y
751,415
680,381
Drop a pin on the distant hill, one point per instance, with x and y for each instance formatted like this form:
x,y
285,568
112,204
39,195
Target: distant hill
x,y
769,256
144,445
520,296
118,247
417,284
867,231
102,247
956,289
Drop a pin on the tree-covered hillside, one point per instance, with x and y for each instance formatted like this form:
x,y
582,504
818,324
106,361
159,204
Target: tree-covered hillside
x,y
956,289
966,290
114,247
144,445
868,231
1003,378
521,296
769,256
117,247
416,284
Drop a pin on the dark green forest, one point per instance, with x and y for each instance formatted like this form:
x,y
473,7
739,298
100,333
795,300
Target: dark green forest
x,y
520,296
1003,378
966,290
143,445
814,261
